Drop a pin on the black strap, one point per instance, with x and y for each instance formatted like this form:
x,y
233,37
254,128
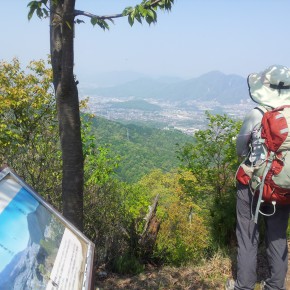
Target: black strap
x,y
279,87
262,109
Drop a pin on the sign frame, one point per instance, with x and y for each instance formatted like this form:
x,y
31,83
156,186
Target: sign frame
x,y
87,246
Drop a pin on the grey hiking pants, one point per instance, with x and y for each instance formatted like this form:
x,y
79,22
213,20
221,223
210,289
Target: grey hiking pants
x,y
248,236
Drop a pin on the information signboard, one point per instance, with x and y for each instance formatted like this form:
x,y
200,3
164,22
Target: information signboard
x,y
39,248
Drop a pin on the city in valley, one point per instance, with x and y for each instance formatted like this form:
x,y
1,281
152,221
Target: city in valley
x,y
187,117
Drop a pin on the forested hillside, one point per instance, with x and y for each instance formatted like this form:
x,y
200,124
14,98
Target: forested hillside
x,y
192,208
140,148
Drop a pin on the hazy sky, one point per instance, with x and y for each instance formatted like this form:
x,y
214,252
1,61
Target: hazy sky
x,y
197,36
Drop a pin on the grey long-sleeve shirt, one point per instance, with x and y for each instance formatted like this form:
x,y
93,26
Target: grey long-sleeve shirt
x,y
249,138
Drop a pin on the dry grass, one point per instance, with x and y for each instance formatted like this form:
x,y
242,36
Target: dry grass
x,y
211,275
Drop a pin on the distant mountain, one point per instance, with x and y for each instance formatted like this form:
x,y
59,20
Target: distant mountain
x,y
114,78
37,222
141,88
22,272
225,89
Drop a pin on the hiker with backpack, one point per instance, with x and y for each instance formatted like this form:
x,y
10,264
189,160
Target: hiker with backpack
x,y
263,179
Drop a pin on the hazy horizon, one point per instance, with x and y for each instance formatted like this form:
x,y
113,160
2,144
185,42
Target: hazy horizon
x,y
196,37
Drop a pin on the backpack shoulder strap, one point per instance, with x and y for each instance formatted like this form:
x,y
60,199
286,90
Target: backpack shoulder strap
x,y
262,109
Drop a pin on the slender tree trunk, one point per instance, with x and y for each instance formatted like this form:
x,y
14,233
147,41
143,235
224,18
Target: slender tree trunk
x,y
62,40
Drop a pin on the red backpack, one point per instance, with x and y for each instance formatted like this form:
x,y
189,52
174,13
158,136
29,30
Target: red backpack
x,y
271,179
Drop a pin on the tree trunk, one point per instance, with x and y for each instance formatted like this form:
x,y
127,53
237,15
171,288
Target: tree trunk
x,y
148,238
62,58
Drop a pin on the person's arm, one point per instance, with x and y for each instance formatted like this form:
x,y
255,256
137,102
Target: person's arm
x,y
243,139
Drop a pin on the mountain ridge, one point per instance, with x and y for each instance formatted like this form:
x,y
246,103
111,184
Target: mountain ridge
x,y
214,85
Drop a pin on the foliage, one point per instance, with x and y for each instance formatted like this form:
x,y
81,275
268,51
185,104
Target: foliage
x,y
194,214
100,199
141,148
113,210
29,144
98,165
114,219
127,264
145,10
183,236
212,160
28,128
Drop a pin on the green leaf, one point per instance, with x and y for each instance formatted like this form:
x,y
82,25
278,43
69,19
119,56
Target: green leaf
x,y
168,4
45,12
100,22
127,11
138,17
142,10
30,14
39,12
32,6
131,19
94,21
36,6
78,21
152,14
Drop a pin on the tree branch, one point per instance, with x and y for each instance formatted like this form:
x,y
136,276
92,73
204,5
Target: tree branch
x,y
110,17
90,15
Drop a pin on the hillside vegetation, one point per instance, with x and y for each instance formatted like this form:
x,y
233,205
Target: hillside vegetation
x,y
140,148
151,196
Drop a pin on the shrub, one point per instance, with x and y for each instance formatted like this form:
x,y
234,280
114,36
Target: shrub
x,y
127,264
